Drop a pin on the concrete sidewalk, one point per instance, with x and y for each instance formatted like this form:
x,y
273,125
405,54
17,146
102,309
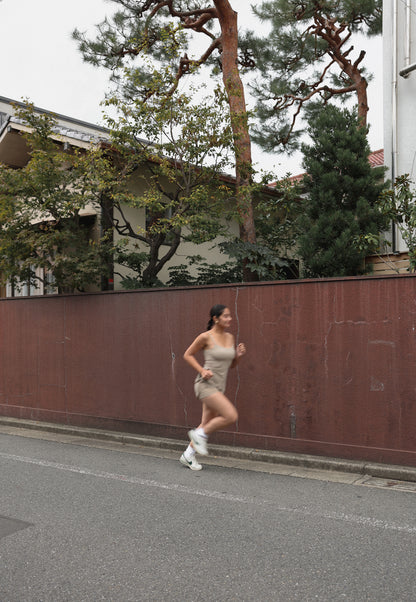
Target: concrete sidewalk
x,y
372,469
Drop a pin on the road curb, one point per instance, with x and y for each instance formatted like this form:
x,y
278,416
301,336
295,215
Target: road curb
x,y
373,469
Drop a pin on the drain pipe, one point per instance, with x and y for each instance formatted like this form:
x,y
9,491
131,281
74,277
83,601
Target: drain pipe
x,y
407,39
408,67
394,115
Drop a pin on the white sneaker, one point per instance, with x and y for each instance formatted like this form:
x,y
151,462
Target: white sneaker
x,y
199,442
192,464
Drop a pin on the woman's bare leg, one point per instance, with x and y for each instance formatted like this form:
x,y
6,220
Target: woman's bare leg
x,y
207,415
219,413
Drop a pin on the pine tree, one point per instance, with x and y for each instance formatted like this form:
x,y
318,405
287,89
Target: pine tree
x,y
162,32
309,55
341,207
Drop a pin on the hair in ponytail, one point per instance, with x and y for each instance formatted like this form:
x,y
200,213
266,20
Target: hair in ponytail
x,y
215,312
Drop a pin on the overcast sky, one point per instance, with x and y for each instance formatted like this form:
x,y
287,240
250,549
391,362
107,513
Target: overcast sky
x,y
41,62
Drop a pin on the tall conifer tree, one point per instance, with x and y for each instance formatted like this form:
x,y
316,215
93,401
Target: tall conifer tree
x,y
311,54
341,207
162,31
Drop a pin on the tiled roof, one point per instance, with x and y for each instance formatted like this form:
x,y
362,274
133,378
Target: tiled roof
x,y
376,159
297,178
62,130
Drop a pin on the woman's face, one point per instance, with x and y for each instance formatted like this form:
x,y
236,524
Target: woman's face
x,y
224,320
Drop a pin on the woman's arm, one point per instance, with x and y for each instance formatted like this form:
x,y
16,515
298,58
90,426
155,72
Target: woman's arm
x,y
239,352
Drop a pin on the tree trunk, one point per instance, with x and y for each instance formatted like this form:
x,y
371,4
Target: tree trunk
x,y
106,228
156,263
362,100
353,70
239,122
360,84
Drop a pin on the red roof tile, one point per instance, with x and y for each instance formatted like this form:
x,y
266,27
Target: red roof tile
x,y
376,158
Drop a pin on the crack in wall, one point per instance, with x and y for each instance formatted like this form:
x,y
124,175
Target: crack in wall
x,y
173,356
173,372
237,339
352,323
65,359
381,342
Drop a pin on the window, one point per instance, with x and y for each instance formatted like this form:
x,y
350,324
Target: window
x,y
45,286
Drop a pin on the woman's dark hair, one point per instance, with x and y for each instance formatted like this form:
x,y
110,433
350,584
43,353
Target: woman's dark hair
x,y
215,312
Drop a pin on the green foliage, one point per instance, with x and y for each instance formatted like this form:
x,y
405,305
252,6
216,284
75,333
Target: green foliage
x,y
166,158
276,218
133,33
399,205
223,273
308,55
341,204
151,49
134,261
258,258
41,231
276,214
180,275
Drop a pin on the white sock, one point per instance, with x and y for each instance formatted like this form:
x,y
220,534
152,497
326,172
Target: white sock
x,y
189,452
201,432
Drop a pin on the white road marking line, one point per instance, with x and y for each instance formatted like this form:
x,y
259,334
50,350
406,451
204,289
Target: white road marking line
x,y
126,478
355,519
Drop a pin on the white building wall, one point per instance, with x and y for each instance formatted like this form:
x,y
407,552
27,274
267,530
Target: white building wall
x,y
82,134
399,51
137,218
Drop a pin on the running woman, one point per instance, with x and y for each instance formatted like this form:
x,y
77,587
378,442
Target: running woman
x,y
220,354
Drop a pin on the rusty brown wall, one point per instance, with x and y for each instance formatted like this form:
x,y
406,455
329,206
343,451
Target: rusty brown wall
x,y
330,367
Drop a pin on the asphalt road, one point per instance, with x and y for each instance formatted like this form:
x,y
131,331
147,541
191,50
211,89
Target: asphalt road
x,y
98,521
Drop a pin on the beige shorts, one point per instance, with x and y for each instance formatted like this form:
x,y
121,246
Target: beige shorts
x,y
205,388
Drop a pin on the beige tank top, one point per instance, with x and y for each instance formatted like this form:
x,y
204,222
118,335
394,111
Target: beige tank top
x,y
218,359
